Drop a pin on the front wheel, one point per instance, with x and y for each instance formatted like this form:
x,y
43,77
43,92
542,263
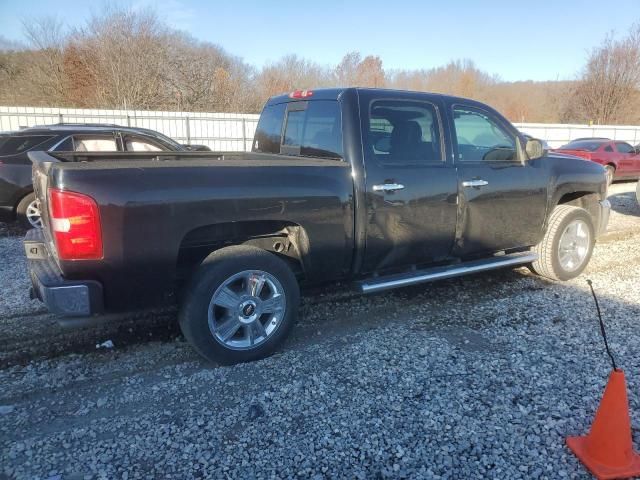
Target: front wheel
x,y
240,305
567,245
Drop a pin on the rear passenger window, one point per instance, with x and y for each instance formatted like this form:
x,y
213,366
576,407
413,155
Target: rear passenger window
x,y
269,130
624,148
137,144
404,133
313,129
95,144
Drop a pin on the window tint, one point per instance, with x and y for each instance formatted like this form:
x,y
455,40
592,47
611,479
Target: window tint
x,y
137,144
624,147
608,148
267,136
481,138
294,130
403,132
65,146
316,130
95,144
11,145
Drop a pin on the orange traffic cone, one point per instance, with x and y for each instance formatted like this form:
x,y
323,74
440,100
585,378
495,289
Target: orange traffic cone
x,y
607,450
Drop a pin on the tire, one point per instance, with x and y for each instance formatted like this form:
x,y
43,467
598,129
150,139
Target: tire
x,y
638,192
28,212
219,292
609,173
549,263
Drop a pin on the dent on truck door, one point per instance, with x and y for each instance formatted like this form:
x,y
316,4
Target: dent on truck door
x,y
410,189
503,199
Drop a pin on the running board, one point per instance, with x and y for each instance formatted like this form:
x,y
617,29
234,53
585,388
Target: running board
x,y
378,284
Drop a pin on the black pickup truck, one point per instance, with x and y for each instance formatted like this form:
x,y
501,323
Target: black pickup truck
x,y
377,188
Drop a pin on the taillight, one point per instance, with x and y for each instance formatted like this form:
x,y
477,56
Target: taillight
x,y
75,224
301,94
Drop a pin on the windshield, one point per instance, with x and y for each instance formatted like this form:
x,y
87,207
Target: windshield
x,y
588,145
14,144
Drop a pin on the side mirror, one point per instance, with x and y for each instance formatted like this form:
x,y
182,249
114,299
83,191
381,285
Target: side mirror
x,y
535,149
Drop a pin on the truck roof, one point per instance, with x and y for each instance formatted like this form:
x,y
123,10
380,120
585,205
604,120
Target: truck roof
x,y
334,94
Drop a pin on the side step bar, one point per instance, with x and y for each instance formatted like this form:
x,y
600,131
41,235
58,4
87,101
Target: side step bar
x,y
378,284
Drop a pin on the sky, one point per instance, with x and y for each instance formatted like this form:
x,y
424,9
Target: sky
x,y
516,40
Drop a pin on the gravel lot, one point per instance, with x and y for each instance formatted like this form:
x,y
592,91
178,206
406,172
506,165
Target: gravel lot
x,y
474,377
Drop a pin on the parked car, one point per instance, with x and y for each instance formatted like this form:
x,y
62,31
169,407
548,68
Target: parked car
x,y
638,192
378,188
621,160
17,200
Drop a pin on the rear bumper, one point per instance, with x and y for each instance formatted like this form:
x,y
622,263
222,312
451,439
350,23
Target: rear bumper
x,y
68,298
603,218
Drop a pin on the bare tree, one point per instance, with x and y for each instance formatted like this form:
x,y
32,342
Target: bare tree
x,y
290,73
125,52
354,71
47,39
610,80
123,58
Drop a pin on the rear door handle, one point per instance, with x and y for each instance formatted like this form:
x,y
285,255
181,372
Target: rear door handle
x,y
388,187
475,183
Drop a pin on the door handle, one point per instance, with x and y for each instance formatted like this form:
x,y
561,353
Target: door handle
x,y
475,183
388,187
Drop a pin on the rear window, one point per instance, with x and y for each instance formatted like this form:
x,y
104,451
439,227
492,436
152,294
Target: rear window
x,y
314,131
269,130
14,144
588,145
311,129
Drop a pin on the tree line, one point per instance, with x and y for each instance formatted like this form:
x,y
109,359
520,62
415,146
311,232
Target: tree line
x,y
130,59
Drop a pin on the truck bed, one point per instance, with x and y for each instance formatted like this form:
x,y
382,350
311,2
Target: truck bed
x,y
158,215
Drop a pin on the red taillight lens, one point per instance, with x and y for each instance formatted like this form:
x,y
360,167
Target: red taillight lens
x,y
75,224
301,94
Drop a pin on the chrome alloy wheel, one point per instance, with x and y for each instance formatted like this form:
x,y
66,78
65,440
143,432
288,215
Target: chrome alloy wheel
x,y
33,214
573,247
246,309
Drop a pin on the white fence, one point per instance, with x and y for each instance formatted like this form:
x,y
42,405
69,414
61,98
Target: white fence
x,y
220,131
234,132
557,134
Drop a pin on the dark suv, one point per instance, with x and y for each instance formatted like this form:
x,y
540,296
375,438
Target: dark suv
x,y
17,201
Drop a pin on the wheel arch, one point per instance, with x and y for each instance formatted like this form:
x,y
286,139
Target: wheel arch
x,y
21,195
589,201
287,240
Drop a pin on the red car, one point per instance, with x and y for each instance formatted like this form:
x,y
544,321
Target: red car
x,y
620,159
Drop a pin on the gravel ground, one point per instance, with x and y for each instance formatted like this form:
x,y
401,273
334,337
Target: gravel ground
x,y
474,377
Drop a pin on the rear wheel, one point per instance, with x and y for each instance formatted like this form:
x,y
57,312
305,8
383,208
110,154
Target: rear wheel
x,y
240,305
28,212
567,245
